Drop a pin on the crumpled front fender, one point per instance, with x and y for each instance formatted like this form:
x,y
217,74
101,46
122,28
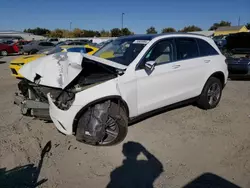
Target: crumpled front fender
x,y
64,119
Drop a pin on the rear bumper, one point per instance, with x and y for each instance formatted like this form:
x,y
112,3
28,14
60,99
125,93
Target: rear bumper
x,y
239,68
239,73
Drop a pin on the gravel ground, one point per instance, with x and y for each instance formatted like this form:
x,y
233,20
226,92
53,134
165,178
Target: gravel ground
x,y
182,144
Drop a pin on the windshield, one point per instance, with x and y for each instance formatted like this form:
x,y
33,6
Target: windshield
x,y
122,51
61,43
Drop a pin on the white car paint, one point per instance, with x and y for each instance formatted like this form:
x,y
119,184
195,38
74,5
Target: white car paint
x,y
167,84
59,69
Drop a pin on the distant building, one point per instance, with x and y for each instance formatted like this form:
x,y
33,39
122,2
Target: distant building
x,y
230,30
19,35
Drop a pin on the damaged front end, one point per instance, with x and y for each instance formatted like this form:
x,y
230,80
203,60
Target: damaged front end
x,y
32,99
91,75
61,75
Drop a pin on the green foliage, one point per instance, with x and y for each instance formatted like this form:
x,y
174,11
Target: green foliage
x,y
91,33
38,31
125,31
116,32
168,29
221,24
151,30
190,29
105,33
57,33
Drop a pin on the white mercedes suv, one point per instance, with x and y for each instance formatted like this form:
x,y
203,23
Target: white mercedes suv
x,y
130,76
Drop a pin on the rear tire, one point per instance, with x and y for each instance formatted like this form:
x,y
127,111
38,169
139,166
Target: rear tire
x,y
211,94
33,52
4,53
104,124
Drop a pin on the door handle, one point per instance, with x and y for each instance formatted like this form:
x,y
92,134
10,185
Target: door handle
x,y
175,66
207,61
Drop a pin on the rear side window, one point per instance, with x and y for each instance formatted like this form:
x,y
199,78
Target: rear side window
x,y
186,48
205,48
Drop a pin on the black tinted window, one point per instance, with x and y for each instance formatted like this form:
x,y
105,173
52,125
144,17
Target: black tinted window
x,y
53,40
205,48
186,48
162,52
46,44
88,50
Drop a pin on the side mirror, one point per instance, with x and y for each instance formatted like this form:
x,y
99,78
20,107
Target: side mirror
x,y
150,65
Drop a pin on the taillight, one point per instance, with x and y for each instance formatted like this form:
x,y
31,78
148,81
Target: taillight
x,y
15,48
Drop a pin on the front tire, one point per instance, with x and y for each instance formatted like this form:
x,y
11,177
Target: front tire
x,y
103,124
4,53
211,94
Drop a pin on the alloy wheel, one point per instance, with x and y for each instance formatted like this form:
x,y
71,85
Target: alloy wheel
x,y
214,93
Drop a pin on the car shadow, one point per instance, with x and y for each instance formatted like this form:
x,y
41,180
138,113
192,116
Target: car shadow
x,y
209,180
24,176
240,78
135,173
2,61
162,110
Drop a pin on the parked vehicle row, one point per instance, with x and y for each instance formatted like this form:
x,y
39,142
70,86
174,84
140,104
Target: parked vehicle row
x,y
17,63
6,49
237,51
95,96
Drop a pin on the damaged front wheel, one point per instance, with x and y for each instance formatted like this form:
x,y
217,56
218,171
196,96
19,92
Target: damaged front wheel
x,y
103,124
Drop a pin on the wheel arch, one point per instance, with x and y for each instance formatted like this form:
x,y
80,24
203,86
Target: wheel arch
x,y
116,98
220,75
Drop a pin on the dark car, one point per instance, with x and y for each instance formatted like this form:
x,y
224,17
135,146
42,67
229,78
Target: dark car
x,y
34,46
237,51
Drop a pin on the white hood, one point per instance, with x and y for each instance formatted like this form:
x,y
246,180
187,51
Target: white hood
x,y
58,70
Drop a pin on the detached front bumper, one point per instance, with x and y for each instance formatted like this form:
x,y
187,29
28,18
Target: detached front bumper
x,y
63,119
32,108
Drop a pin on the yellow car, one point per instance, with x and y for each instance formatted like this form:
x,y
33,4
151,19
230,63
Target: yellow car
x,y
17,63
90,49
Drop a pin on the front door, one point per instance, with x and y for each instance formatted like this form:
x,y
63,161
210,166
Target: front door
x,y
174,77
156,88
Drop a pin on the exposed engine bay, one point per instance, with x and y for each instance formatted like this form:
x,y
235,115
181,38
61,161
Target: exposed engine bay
x,y
92,73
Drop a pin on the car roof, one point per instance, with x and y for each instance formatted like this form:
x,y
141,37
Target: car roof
x,y
151,36
72,46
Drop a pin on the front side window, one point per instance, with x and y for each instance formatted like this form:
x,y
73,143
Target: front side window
x,y
205,48
162,52
186,48
122,51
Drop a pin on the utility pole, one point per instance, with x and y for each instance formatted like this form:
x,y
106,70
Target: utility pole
x,y
239,21
70,26
122,19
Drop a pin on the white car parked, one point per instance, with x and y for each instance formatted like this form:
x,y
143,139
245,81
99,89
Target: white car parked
x,y
141,73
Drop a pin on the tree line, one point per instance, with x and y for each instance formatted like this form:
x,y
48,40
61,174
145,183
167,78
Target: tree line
x,y
116,32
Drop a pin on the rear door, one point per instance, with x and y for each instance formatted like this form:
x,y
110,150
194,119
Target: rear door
x,y
192,66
